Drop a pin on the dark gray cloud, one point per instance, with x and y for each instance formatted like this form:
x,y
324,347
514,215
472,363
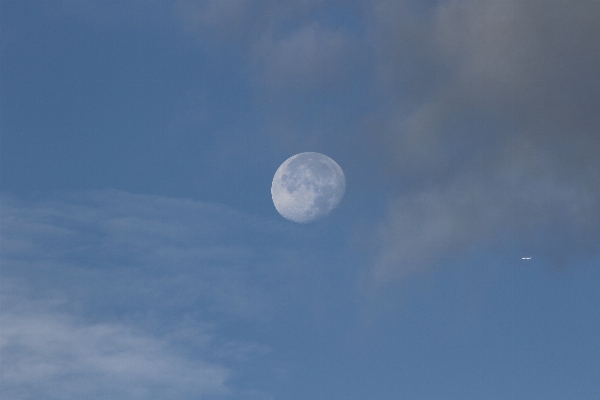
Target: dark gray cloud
x,y
491,132
528,67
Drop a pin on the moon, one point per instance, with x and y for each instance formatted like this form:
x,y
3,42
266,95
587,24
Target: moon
x,y
307,187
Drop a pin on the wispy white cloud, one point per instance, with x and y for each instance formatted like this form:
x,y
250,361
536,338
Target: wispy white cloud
x,y
158,240
113,295
53,354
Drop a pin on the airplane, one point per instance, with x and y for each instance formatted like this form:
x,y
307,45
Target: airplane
x,y
525,258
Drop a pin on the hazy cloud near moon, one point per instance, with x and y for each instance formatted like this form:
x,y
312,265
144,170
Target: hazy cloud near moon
x,y
312,56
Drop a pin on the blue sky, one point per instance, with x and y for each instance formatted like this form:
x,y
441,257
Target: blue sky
x,y
142,256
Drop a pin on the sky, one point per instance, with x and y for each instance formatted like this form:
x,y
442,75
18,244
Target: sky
x,y
142,256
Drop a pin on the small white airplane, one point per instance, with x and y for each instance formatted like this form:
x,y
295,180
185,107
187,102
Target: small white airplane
x,y
525,258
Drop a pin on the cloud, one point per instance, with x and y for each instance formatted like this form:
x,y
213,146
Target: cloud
x,y
513,48
499,146
290,45
52,354
241,22
224,19
109,294
301,62
149,240
511,203
312,55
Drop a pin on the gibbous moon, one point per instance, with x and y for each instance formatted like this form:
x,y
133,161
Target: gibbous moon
x,y
307,186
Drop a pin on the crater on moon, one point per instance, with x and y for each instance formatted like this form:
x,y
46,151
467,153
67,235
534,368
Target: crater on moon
x,y
307,186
